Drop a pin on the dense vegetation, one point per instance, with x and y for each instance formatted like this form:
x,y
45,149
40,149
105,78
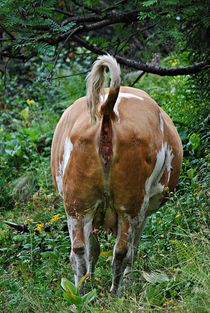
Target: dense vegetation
x,y
171,272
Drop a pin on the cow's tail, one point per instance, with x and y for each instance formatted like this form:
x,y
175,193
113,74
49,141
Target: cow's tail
x,y
95,86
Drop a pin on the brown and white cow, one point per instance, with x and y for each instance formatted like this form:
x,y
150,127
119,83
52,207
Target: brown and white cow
x,y
115,157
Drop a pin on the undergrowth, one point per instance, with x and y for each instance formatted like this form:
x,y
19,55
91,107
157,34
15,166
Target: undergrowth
x,y
171,272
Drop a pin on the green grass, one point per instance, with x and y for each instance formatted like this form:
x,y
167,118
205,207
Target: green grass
x,y
171,272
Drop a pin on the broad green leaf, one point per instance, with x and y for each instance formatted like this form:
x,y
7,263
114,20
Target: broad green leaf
x,y
88,297
68,286
25,114
195,141
33,134
155,277
191,173
72,299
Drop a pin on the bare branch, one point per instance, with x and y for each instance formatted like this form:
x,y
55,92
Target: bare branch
x,y
63,12
7,32
82,19
145,67
6,54
127,17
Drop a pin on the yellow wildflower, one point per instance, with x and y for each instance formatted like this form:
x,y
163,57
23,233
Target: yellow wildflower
x,y
168,302
30,101
55,217
39,227
178,214
29,220
173,62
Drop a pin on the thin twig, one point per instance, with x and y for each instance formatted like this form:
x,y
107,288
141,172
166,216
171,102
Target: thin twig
x,y
72,75
63,12
85,7
49,77
114,6
8,33
137,79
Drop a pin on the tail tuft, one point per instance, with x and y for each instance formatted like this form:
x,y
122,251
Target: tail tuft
x,y
95,84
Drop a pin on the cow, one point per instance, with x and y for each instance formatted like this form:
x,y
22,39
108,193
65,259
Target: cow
x,y
116,156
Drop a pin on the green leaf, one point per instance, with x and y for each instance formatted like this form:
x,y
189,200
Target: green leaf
x,y
106,253
72,299
195,141
27,246
88,297
68,286
82,280
32,133
148,3
191,173
25,114
155,277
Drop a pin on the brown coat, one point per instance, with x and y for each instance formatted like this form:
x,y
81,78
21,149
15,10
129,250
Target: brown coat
x,y
113,162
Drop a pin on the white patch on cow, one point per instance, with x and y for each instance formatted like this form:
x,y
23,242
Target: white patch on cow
x,y
152,185
68,147
78,260
161,123
59,185
72,222
114,250
87,222
117,239
169,158
103,97
163,162
121,95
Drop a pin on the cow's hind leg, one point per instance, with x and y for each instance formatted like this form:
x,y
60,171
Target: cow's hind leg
x,y
135,231
129,232
77,255
94,251
84,246
120,259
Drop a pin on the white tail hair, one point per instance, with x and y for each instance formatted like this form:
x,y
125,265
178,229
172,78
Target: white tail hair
x,y
95,81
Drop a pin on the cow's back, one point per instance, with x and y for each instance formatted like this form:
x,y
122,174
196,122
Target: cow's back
x,y
140,129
